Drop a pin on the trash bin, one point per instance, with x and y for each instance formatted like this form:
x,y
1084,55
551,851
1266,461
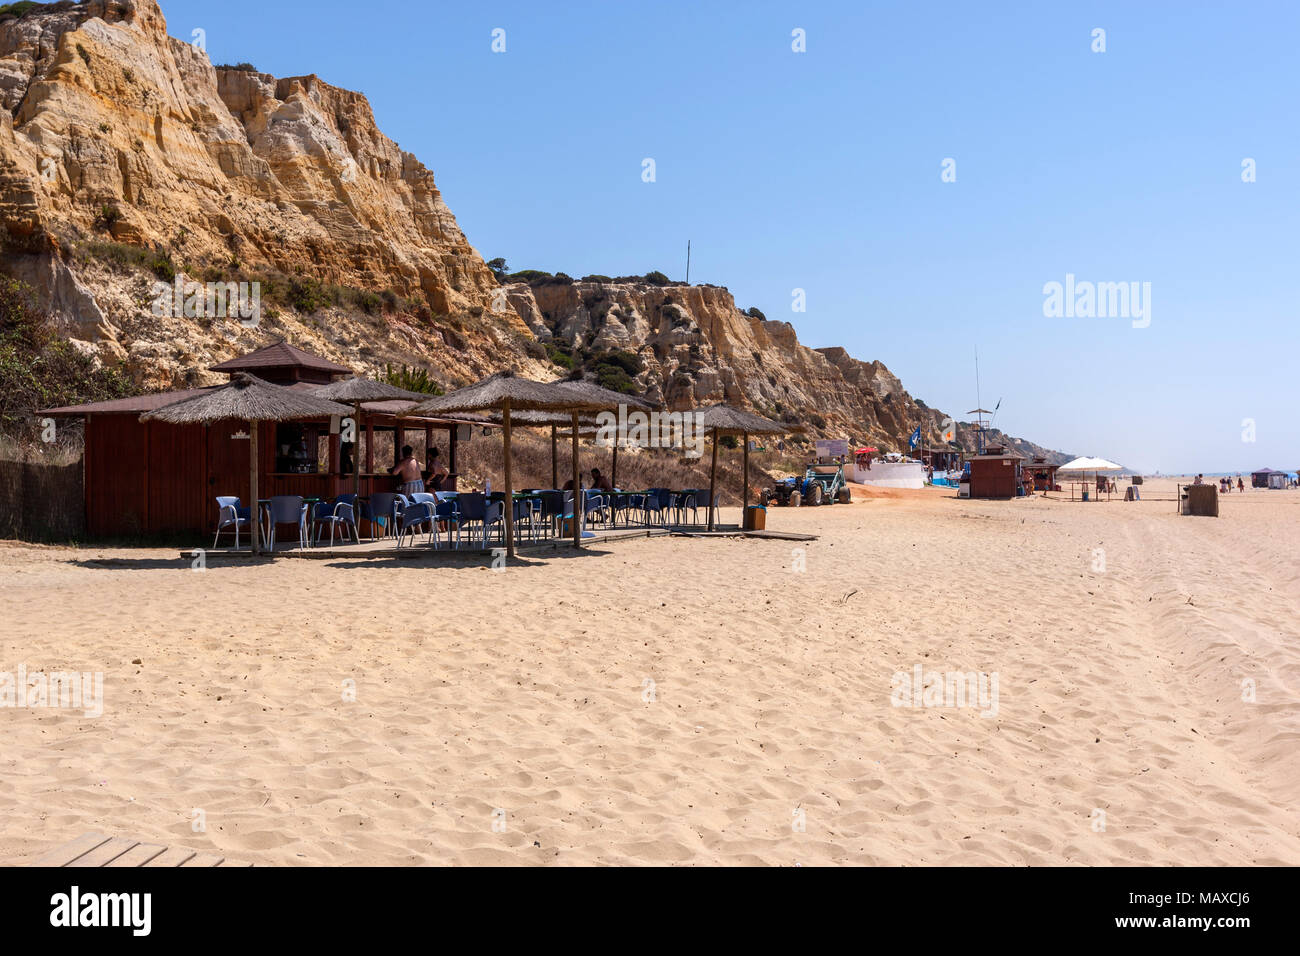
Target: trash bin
x,y
755,518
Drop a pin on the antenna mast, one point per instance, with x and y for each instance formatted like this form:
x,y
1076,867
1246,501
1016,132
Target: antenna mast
x,y
688,262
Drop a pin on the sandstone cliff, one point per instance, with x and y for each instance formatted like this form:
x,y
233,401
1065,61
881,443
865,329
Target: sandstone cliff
x,y
127,158
113,132
695,347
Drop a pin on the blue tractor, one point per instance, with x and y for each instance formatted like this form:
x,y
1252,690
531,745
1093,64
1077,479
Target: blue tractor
x,y
820,485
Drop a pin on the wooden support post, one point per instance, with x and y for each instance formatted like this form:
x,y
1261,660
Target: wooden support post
x,y
356,454
555,460
510,501
399,439
254,511
370,447
713,477
332,484
577,489
744,504
613,476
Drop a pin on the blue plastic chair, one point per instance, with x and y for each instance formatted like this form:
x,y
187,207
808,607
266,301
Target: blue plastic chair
x,y
688,500
596,506
289,509
230,514
525,511
475,508
341,513
447,513
382,511
416,515
656,500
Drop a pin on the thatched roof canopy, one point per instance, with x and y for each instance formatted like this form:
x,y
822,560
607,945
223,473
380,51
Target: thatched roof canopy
x,y
544,419
522,394
247,398
722,419
599,393
364,390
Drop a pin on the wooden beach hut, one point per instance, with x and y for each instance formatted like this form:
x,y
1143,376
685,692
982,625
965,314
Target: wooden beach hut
x,y
996,473
1039,475
247,399
156,477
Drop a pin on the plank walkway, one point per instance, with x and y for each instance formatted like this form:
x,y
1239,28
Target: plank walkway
x,y
387,549
95,849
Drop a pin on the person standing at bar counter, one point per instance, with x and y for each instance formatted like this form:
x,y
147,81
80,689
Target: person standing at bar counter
x,y
437,471
409,470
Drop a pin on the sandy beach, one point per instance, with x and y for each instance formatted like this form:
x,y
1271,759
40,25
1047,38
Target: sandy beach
x,y
681,701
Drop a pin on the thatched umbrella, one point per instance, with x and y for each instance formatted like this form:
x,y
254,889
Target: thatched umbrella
x,y
723,420
506,392
358,390
247,398
614,400
556,421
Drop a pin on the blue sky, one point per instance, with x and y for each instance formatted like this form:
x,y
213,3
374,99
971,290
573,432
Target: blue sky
x,y
822,171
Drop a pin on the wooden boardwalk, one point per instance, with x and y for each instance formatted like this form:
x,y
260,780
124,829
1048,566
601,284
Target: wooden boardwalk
x,y
95,849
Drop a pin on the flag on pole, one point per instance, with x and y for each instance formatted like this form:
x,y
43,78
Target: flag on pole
x,y
915,439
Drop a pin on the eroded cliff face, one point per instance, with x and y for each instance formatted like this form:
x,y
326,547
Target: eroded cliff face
x,y
112,131
124,155
696,348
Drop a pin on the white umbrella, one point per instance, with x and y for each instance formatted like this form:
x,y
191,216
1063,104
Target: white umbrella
x,y
1090,464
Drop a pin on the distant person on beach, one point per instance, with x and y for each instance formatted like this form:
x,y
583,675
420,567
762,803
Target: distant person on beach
x,y
408,469
437,471
1198,480
1241,485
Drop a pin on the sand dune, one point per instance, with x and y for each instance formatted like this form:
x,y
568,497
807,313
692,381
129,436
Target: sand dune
x,y
507,718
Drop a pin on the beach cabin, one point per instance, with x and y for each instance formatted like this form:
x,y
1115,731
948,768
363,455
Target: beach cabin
x,y
1268,478
1039,475
157,478
996,474
942,460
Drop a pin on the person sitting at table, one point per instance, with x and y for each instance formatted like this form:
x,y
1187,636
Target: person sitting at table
x,y
599,481
568,485
408,469
437,471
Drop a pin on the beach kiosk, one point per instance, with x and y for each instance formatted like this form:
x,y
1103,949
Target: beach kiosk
x,y
157,477
1040,475
996,474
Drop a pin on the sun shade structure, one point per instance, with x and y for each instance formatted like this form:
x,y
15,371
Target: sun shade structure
x,y
725,420
1085,465
615,399
247,398
506,392
556,421
1090,464
358,390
